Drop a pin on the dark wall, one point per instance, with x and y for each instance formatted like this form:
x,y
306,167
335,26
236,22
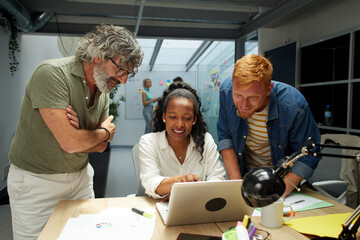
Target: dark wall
x,y
283,60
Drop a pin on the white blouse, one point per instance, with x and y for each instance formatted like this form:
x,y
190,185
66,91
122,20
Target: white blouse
x,y
158,161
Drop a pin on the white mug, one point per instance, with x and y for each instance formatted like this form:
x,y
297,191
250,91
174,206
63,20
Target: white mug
x,y
272,215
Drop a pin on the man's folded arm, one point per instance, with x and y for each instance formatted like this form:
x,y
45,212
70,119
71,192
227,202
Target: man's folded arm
x,y
70,139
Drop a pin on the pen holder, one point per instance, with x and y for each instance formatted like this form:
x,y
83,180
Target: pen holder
x,y
272,215
238,233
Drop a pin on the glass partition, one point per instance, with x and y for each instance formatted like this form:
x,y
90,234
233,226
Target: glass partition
x,y
212,70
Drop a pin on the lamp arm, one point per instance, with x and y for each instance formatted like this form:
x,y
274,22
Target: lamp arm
x,y
304,152
263,186
335,146
352,217
285,164
349,231
355,156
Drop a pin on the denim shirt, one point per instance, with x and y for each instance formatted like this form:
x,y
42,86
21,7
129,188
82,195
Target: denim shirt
x,y
290,123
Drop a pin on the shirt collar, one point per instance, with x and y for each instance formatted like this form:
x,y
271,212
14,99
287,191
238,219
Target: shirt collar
x,y
77,69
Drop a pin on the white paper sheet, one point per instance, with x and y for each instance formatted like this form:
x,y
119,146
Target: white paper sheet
x,y
112,223
292,199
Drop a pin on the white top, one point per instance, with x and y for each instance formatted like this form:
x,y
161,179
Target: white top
x,y
158,161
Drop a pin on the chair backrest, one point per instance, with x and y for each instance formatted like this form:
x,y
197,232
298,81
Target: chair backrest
x,y
140,191
329,167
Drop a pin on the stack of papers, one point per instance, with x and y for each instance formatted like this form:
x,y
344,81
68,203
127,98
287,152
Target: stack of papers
x,y
112,223
300,202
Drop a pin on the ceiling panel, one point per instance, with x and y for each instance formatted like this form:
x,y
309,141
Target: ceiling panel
x,y
147,46
159,21
177,52
205,19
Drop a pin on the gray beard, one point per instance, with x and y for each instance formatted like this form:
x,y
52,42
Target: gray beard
x,y
102,79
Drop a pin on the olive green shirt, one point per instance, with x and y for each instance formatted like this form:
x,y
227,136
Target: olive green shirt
x,y
56,83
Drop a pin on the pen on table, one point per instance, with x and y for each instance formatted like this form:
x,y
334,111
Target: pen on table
x,y
138,211
300,201
288,213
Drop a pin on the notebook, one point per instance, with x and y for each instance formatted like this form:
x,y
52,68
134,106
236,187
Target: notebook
x,y
204,202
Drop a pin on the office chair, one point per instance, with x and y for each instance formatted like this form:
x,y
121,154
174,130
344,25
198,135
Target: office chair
x,y
326,177
140,191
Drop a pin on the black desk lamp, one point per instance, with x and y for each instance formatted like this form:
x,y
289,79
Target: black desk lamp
x,y
263,186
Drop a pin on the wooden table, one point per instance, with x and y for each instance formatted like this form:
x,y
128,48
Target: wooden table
x,y
73,208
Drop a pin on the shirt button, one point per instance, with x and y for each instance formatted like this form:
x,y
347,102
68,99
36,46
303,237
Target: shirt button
x,y
244,136
239,154
86,98
279,146
83,81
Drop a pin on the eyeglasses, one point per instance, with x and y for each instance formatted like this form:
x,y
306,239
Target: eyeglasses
x,y
262,234
121,71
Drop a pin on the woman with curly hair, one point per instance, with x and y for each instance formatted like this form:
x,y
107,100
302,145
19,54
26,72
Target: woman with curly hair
x,y
179,149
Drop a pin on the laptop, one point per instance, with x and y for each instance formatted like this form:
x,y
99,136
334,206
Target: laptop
x,y
204,202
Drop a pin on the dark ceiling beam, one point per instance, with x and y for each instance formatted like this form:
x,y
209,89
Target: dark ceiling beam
x,y
148,22
80,29
139,16
155,53
197,54
280,13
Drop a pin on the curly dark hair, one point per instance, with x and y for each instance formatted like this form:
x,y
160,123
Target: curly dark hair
x,y
199,129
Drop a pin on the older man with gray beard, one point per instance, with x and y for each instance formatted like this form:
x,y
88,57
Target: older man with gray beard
x,y
49,153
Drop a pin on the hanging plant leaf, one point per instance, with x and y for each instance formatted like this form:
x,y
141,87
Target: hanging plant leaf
x,y
113,109
114,103
13,43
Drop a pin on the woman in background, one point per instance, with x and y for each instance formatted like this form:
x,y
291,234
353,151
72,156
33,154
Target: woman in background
x,y
180,149
148,103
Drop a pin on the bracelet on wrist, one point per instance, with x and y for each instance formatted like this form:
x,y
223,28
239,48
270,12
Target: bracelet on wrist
x,y
108,133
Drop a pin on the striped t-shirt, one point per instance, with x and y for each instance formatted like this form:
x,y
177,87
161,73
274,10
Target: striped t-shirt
x,y
257,150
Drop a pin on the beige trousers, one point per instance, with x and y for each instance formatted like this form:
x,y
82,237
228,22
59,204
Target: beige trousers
x,y
33,197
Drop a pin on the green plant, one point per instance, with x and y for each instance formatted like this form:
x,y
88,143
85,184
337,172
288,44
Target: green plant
x,y
115,102
13,43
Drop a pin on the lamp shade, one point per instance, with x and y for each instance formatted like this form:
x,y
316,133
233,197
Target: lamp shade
x,y
261,187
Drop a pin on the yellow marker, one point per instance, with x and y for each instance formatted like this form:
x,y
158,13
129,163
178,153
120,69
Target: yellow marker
x,y
245,221
138,211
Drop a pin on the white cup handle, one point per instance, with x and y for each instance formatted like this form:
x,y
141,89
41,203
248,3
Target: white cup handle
x,y
291,214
